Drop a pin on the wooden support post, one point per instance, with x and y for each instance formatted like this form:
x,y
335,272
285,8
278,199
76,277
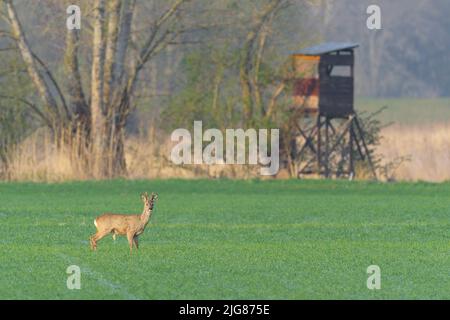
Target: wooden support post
x,y
366,149
351,164
319,160
308,138
327,148
345,129
341,135
358,146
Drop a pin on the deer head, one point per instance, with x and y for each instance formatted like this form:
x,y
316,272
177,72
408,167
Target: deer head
x,y
149,201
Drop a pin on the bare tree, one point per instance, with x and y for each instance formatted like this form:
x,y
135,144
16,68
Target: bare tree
x,y
118,57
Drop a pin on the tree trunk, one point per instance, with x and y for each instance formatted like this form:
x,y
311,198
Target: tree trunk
x,y
37,78
119,96
245,68
123,39
111,45
98,140
77,99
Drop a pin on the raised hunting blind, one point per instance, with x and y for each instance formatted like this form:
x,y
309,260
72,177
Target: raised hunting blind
x,y
329,136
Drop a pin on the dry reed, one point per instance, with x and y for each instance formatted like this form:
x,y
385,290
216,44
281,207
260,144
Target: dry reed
x,y
38,158
426,146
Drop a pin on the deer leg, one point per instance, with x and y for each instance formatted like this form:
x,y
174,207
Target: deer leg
x,y
93,240
136,242
93,243
96,237
130,236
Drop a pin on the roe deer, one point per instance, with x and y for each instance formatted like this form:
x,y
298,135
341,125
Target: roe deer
x,y
124,224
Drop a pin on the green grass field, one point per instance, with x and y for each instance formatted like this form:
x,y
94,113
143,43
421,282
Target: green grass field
x,y
226,239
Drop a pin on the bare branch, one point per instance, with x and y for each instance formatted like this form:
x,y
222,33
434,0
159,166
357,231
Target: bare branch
x,y
32,106
55,84
272,103
149,45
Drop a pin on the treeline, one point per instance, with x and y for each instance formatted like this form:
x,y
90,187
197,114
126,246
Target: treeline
x,y
165,64
407,58
220,62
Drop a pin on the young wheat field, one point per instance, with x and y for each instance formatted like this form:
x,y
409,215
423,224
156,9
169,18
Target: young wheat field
x,y
224,239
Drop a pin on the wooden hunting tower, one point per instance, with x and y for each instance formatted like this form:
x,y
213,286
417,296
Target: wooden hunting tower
x,y
330,135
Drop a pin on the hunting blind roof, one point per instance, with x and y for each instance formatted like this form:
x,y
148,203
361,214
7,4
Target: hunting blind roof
x,y
326,48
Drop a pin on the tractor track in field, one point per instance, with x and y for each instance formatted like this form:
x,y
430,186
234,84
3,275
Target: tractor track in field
x,y
116,288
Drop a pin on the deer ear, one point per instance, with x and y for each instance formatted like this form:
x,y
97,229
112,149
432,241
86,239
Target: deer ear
x,y
142,196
